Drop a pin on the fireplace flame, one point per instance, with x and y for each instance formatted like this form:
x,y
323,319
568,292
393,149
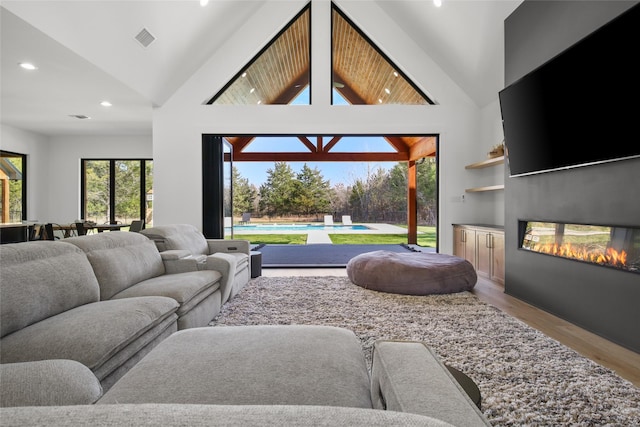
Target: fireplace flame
x,y
609,257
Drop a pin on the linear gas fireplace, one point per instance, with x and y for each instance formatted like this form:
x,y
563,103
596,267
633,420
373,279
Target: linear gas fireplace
x,y
607,246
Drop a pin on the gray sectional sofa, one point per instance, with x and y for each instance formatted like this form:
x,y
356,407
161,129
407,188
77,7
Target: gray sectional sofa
x,y
129,265
264,375
186,237
104,330
103,300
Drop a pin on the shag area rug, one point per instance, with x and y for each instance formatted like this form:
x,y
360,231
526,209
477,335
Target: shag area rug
x,y
525,377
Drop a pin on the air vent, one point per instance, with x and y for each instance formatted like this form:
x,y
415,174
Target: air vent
x,y
145,38
79,116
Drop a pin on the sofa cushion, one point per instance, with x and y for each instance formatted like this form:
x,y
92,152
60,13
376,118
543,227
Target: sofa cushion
x,y
120,259
91,334
48,383
187,288
42,279
211,415
178,236
251,365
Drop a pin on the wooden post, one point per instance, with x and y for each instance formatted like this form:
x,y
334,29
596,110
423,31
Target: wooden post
x,y
5,197
412,209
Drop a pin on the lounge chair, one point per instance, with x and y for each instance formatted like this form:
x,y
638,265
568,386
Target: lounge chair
x,y
328,220
346,220
246,218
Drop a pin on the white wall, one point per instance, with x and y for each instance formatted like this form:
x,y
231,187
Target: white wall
x,y
466,133
65,155
53,167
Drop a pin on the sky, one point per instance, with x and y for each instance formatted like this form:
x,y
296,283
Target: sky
x,y
336,172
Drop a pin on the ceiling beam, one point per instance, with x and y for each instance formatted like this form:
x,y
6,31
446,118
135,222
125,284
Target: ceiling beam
x,y
426,147
309,144
320,157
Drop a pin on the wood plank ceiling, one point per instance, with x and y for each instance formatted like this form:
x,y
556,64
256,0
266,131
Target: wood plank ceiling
x,y
362,75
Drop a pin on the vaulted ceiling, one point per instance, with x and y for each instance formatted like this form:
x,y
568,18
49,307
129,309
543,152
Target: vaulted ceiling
x,y
86,51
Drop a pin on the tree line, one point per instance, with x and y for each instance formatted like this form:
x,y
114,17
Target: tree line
x,y
380,195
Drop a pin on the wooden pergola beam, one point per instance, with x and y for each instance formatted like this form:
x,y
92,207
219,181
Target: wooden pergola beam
x,y
426,147
412,204
320,157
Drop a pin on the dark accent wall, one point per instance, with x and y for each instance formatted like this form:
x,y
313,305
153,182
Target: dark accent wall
x,y
599,299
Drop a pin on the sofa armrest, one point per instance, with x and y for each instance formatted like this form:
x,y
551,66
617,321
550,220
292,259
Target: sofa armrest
x,y
227,246
180,261
48,383
226,265
407,376
175,254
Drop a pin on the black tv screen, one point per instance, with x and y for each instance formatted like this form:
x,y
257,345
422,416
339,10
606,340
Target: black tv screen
x,y
581,107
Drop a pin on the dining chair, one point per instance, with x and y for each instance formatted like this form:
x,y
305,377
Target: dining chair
x,y
48,232
136,225
36,232
80,229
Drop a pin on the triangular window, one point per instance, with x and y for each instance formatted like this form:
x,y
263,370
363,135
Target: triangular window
x,y
281,72
362,74
278,73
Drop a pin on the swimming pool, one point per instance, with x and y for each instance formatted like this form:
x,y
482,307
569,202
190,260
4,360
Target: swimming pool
x,y
248,228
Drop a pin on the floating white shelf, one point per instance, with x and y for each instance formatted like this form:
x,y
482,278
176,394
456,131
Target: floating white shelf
x,y
486,188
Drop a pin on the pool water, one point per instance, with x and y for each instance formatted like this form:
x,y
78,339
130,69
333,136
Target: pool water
x,y
297,227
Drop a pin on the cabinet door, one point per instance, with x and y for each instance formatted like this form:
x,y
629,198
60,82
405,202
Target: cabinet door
x,y
483,253
470,246
458,241
497,269
465,244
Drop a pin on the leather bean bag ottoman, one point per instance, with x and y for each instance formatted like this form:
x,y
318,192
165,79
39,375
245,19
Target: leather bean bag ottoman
x,y
415,273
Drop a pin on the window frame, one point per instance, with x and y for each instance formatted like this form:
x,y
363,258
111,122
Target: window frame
x,y
112,185
5,153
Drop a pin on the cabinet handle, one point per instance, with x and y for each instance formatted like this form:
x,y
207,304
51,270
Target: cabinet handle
x,y
463,236
489,240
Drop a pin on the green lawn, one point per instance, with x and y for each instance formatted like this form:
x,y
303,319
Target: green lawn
x,y
426,237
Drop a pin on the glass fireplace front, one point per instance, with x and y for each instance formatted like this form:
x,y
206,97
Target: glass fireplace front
x,y
608,246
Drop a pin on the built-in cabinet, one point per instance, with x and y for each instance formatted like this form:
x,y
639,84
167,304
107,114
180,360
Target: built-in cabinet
x,y
483,246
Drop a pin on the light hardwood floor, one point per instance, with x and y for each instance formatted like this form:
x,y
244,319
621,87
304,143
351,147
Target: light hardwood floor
x,y
624,362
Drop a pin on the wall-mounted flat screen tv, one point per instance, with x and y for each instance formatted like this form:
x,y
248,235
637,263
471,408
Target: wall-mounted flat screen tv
x,y
582,107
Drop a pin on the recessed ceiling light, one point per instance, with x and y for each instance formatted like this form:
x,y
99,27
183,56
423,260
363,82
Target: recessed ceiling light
x,y
203,3
387,90
106,104
244,74
437,3
28,66
380,100
253,89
